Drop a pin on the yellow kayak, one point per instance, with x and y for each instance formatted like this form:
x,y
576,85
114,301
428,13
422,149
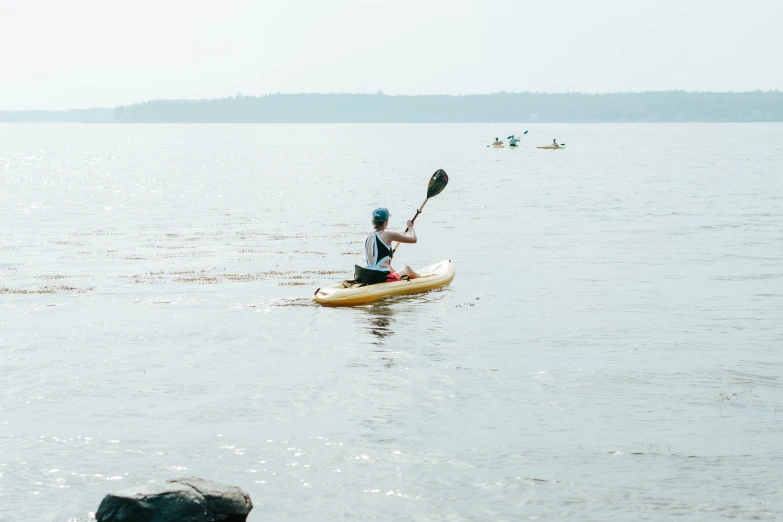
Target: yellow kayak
x,y
498,146
433,276
551,147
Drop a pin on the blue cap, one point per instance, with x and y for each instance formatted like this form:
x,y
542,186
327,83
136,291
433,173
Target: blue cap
x,y
380,215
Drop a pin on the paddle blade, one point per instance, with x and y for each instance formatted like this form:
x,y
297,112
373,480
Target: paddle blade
x,y
438,182
525,132
510,137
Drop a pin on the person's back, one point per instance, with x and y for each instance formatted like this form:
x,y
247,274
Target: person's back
x,y
378,252
512,141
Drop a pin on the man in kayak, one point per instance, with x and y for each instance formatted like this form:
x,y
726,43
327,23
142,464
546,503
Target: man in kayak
x,y
378,250
554,142
512,141
497,143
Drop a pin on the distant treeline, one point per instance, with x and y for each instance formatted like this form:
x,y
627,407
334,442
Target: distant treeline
x,y
663,106
667,106
71,116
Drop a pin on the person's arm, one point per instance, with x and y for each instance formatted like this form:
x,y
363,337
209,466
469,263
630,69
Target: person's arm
x,y
402,238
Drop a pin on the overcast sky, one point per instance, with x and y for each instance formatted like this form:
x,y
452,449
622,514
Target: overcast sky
x,y
59,54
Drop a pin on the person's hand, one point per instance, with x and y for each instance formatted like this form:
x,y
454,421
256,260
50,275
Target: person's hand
x,y
410,224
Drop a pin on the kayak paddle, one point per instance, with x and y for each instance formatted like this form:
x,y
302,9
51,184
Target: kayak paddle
x,y
438,182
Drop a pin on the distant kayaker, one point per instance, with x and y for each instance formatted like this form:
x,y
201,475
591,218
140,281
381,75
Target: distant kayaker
x,y
554,142
512,141
378,248
497,143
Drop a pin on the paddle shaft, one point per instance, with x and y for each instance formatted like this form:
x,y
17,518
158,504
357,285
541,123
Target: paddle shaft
x,y
412,220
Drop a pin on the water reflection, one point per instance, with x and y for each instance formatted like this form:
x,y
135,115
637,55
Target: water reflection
x,y
381,321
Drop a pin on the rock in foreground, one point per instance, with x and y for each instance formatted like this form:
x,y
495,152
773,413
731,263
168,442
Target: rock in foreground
x,y
183,500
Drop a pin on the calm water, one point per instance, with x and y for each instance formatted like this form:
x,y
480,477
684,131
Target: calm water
x,y
609,350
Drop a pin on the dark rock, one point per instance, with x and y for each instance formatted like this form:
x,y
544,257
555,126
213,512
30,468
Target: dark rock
x,y
183,500
154,503
228,503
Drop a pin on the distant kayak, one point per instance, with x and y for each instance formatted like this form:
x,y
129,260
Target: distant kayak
x,y
344,294
498,146
551,147
513,146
